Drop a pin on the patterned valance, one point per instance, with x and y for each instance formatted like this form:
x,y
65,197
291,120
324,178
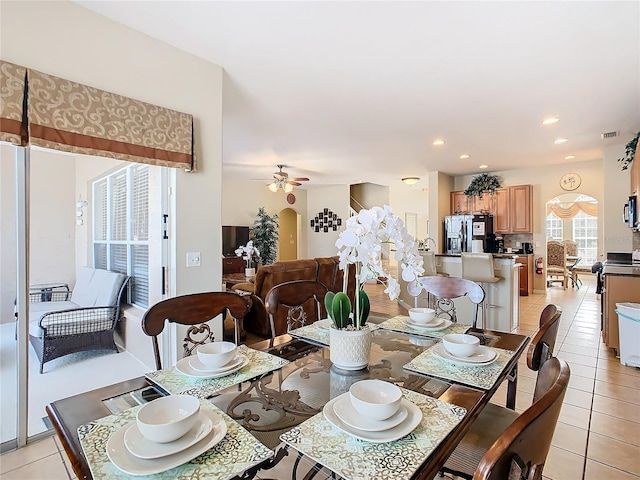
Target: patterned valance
x,y
572,209
13,125
72,117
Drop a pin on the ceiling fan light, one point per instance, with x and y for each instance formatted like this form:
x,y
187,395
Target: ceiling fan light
x,y
411,180
288,187
273,187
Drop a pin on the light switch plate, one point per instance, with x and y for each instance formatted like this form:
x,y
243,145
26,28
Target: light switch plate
x,y
193,259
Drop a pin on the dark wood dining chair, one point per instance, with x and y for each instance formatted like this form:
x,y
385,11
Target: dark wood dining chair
x,y
302,300
544,340
195,309
445,289
494,419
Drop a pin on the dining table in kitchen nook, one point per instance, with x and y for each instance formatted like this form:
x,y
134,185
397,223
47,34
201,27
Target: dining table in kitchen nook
x,y
283,404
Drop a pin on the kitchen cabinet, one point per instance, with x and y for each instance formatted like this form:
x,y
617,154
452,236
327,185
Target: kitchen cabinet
x,y
617,289
459,203
635,174
484,204
526,274
513,209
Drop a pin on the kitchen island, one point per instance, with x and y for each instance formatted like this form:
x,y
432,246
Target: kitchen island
x,y
503,295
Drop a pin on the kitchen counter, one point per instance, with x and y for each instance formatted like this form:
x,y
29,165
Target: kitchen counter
x,y
622,270
495,255
503,295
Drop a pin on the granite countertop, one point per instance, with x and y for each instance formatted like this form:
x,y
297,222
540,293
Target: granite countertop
x,y
622,270
495,255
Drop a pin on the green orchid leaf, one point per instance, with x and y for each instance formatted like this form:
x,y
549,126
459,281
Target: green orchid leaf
x,y
341,309
328,302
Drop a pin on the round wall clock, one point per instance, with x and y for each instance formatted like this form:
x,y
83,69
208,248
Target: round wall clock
x,y
291,199
570,181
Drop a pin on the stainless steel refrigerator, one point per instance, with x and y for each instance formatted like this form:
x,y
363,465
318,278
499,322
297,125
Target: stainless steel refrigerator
x,y
461,230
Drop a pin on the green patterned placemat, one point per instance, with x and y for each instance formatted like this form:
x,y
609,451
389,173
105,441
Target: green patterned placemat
x,y
484,377
172,381
312,334
235,453
397,325
355,459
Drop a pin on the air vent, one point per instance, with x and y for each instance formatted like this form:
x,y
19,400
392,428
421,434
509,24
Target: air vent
x,y
608,135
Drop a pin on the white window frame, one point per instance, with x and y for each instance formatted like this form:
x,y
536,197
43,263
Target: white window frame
x,y
554,227
588,255
138,288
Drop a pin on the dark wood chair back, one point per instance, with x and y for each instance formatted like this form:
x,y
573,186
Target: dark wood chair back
x,y
521,451
304,300
194,309
447,288
544,341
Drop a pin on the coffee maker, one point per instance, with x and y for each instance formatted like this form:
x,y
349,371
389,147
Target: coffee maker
x,y
495,243
527,247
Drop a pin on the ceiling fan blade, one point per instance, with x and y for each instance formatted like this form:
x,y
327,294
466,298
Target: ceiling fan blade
x,y
302,179
291,182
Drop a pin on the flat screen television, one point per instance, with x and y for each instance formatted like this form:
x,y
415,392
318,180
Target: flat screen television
x,y
233,237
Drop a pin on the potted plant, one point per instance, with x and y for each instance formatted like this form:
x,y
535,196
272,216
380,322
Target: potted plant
x,y
482,184
629,152
265,236
359,247
251,256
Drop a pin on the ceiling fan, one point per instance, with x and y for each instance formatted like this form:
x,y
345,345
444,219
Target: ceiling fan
x,y
281,180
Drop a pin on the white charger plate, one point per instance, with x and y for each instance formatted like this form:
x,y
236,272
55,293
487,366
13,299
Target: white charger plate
x,y
404,428
324,324
142,447
483,356
184,367
198,366
446,323
345,411
132,465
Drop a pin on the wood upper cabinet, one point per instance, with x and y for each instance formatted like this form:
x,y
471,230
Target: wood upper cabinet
x,y
521,208
635,174
482,204
459,203
502,211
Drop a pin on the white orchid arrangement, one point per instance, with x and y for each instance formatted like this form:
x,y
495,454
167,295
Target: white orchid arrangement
x,y
249,254
360,245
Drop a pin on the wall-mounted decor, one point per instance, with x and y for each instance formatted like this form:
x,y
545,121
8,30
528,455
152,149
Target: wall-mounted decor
x,y
325,221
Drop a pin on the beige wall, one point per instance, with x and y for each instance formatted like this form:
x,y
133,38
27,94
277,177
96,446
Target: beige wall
x,y
288,238
413,199
64,39
242,199
336,199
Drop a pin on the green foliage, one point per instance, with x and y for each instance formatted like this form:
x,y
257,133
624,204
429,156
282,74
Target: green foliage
x,y
365,307
629,152
328,303
482,183
265,236
340,310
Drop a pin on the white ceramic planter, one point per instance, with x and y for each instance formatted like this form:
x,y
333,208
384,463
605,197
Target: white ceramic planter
x,y
350,349
249,272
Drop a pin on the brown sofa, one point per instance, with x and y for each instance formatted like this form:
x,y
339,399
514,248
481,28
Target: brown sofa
x,y
324,269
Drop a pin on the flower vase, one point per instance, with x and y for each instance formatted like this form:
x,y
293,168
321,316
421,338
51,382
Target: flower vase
x,y
249,272
350,349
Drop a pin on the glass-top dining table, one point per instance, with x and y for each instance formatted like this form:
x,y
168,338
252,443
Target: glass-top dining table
x,y
284,401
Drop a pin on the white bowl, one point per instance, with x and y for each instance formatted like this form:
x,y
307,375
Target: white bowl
x,y
216,354
166,419
422,315
460,344
375,399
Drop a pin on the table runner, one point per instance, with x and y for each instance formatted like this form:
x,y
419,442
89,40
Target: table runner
x,y
235,453
355,459
172,381
395,324
484,377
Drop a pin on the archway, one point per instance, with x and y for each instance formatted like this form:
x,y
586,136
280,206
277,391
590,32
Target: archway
x,y
288,220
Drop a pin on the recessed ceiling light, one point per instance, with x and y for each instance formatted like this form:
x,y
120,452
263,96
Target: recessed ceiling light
x,y
438,142
483,166
550,121
560,141
464,155
569,157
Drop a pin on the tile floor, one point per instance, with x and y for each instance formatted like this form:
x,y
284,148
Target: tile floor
x,y
598,434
